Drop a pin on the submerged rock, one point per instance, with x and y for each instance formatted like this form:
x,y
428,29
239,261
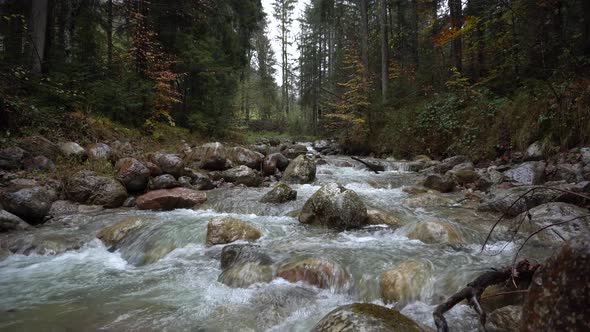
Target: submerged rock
x,y
559,296
431,232
246,274
378,217
301,170
316,271
243,253
88,188
223,230
280,194
112,235
30,204
133,174
334,206
404,282
170,199
359,317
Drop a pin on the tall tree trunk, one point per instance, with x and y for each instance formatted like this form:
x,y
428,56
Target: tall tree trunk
x,y
455,7
38,33
384,52
364,9
110,35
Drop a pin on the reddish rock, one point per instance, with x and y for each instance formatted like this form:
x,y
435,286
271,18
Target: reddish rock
x,y
319,272
133,174
170,199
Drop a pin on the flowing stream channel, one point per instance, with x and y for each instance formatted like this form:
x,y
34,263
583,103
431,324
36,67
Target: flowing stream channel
x,y
164,278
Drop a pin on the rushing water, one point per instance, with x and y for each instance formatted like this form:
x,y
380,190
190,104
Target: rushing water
x,y
163,278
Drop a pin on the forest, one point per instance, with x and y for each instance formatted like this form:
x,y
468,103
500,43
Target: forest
x,y
398,77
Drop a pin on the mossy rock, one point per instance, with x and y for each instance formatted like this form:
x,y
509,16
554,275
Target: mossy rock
x,y
367,317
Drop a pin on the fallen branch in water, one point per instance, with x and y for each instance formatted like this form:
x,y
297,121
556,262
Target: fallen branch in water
x,y
372,167
472,293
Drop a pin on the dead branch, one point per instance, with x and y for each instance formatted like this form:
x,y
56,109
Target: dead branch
x,y
373,167
472,293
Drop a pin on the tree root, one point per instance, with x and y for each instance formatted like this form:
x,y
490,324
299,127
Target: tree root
x,y
472,293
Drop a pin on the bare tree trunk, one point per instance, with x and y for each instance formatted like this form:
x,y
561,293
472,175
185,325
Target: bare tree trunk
x,y
110,35
364,33
455,7
38,33
384,52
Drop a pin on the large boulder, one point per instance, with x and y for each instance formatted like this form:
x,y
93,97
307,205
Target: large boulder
x,y
246,274
164,181
170,199
38,164
214,157
223,230
242,175
439,183
316,271
235,254
529,173
73,150
113,235
99,151
300,170
274,161
334,206
133,174
559,296
39,146
571,218
432,232
11,158
243,156
294,151
168,163
30,204
88,188
282,193
359,317
404,282
10,222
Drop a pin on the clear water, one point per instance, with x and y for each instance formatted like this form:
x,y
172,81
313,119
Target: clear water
x,y
165,279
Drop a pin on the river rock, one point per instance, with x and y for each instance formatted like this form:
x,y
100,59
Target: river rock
x,y
427,199
464,166
10,222
570,173
301,170
378,217
529,173
404,282
282,193
39,164
165,181
88,188
242,156
133,174
439,183
431,232
223,230
111,236
321,145
170,199
336,207
464,176
559,296
100,151
214,157
274,161
199,180
576,220
63,208
155,170
12,158
168,163
246,274
242,175
30,204
294,151
234,254
506,319
73,149
317,271
39,146
366,317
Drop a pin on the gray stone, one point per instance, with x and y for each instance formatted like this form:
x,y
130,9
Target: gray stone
x,y
280,194
73,149
336,207
30,204
301,170
529,173
88,188
242,175
133,174
10,222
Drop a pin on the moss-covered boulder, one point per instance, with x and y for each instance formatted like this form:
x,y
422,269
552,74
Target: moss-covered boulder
x,y
336,207
367,317
223,230
281,193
